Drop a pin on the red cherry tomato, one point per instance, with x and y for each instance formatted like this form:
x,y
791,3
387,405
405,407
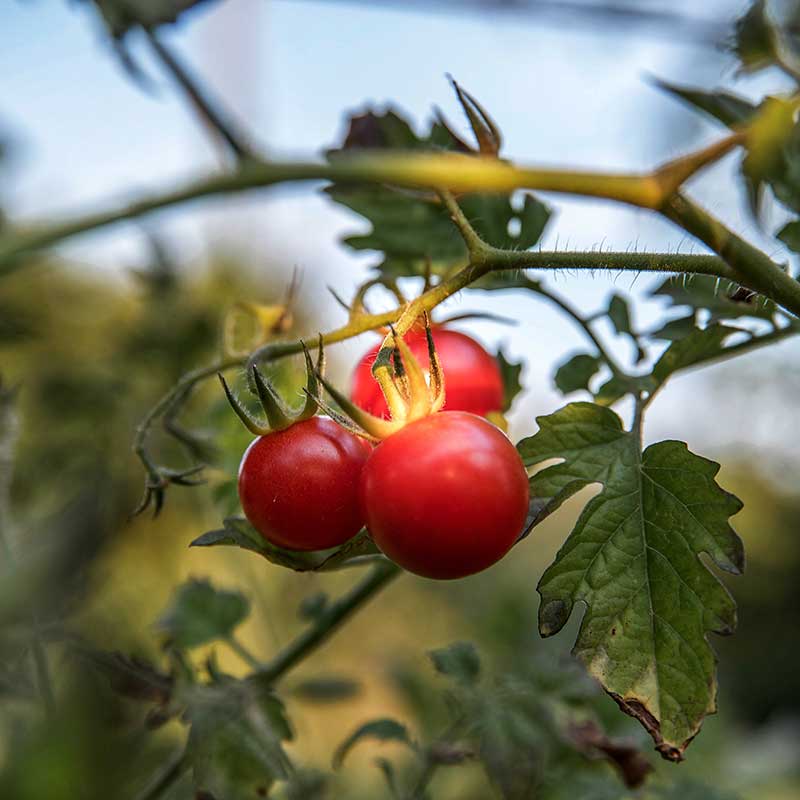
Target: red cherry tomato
x,y
299,486
472,377
446,496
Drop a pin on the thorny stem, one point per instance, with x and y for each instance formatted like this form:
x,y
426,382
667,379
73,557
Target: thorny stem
x,y
330,619
214,118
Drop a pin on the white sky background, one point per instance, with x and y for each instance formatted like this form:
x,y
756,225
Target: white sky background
x,y
564,94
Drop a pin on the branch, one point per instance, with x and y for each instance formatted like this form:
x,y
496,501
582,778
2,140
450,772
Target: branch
x,y
454,172
330,619
585,325
213,117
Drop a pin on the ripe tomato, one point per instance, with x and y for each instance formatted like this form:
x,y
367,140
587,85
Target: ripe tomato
x,y
446,496
472,377
299,486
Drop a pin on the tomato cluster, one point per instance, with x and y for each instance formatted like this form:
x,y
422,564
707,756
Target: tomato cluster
x,y
444,497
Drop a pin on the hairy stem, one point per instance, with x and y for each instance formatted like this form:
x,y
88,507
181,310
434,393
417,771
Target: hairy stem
x,y
753,268
330,619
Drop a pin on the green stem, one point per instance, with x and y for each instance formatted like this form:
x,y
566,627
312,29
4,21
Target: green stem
x,y
330,619
208,113
179,391
615,368
43,676
171,774
243,652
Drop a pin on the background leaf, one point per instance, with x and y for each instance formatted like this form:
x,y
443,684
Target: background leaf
x,y
385,730
459,661
575,373
199,613
235,739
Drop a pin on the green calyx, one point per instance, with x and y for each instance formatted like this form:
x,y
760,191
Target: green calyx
x,y
279,415
410,394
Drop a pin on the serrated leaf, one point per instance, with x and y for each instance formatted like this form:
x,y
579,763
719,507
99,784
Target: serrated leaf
x,y
410,228
198,613
510,372
235,739
729,108
789,234
385,730
459,661
576,373
238,532
633,559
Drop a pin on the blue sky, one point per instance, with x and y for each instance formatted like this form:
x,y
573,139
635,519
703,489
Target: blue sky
x,y
562,94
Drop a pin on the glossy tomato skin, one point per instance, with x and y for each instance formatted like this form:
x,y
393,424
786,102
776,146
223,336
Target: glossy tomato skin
x,y
446,496
472,378
299,487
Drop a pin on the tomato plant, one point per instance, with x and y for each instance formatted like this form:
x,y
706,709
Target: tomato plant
x,y
472,375
406,472
446,496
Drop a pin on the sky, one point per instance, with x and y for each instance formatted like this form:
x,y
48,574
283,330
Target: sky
x,y
564,93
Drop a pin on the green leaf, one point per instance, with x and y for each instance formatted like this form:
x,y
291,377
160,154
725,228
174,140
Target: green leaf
x,y
753,41
238,532
620,315
699,345
633,559
459,661
409,228
773,153
674,329
730,109
789,234
199,613
235,739
714,295
576,373
385,730
510,372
